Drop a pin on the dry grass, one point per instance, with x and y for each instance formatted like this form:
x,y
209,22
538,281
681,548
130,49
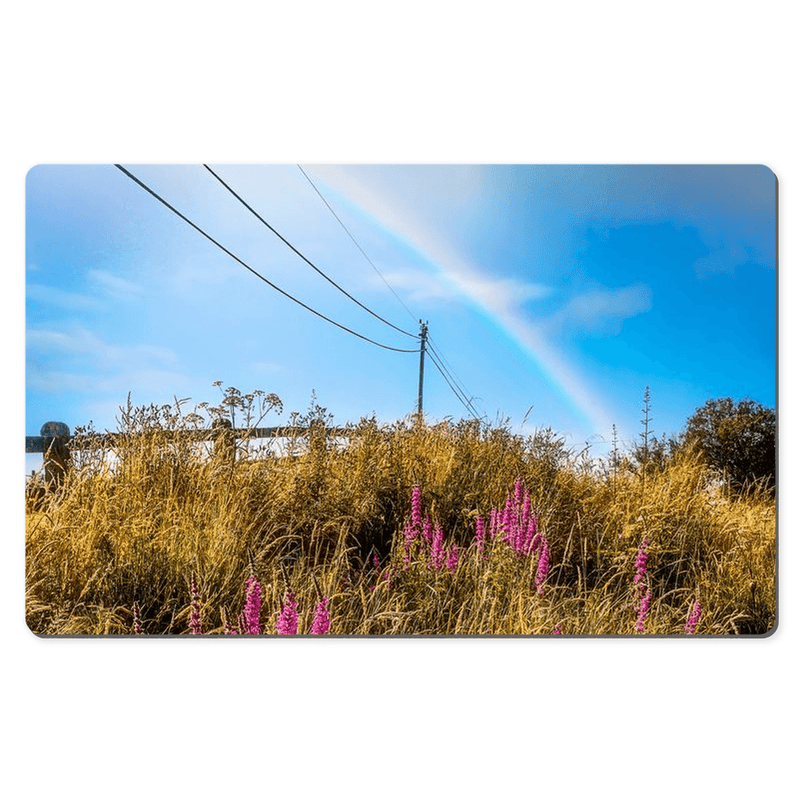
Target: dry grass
x,y
314,522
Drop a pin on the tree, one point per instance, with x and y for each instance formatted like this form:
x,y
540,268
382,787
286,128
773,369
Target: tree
x,y
738,439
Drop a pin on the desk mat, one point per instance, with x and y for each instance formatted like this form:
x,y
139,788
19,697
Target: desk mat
x,y
542,400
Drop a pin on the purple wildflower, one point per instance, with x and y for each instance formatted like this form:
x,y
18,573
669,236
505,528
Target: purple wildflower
x,y
493,523
641,563
480,535
137,619
518,491
427,530
195,623
416,506
437,549
526,511
543,566
557,631
322,621
644,605
694,618
452,558
286,623
251,616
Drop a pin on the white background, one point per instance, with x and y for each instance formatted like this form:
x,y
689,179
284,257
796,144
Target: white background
x,y
616,82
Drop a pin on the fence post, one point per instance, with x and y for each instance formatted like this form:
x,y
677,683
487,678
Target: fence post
x,y
56,453
224,442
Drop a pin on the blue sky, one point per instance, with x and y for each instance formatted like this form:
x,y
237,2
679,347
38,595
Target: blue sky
x,y
567,289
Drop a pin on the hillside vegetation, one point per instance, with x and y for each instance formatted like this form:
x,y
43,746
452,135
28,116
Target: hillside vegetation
x,y
502,535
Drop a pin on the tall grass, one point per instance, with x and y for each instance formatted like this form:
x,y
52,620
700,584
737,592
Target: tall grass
x,y
171,538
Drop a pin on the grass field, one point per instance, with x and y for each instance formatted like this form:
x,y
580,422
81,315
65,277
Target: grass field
x,y
410,529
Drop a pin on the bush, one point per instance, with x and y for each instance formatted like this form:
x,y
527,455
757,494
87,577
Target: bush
x,y
737,439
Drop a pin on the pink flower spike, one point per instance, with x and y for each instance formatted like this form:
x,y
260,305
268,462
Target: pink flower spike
x,y
480,534
543,566
452,558
322,621
518,491
286,623
557,631
195,623
252,608
641,562
437,549
427,530
694,618
644,605
416,506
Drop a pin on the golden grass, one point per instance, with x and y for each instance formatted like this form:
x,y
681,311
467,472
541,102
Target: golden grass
x,y
313,523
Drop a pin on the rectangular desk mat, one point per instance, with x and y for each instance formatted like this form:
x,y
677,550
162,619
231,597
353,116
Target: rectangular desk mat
x,y
476,400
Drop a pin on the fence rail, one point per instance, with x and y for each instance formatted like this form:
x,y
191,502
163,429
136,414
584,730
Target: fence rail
x,y
55,441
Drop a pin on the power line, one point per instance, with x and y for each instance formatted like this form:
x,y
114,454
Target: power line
x,y
246,266
450,371
294,249
459,390
465,402
388,286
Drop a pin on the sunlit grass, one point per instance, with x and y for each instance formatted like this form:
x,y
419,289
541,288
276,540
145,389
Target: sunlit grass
x,y
120,546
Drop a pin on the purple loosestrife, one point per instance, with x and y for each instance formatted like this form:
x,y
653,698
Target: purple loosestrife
x,y
251,616
437,549
493,524
322,621
531,534
518,491
427,530
694,618
480,535
286,623
644,605
416,506
137,619
543,566
195,622
452,558
641,563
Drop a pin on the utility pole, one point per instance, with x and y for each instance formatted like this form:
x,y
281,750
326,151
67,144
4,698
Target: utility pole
x,y
423,337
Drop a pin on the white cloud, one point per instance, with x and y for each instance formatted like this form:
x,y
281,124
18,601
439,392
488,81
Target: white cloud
x,y
116,287
59,298
602,311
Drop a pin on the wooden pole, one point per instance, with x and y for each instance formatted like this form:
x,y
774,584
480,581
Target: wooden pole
x,y
56,453
423,335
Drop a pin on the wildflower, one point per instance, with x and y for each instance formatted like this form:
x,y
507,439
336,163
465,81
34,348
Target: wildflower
x,y
416,506
532,537
480,535
437,549
286,623
518,491
427,530
251,616
694,618
543,566
493,523
322,622
137,619
557,631
195,623
644,605
452,558
641,562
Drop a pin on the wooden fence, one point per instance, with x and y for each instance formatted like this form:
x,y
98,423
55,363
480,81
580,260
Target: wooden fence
x,y
56,443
